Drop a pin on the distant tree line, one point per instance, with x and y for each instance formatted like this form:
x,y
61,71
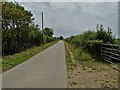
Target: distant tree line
x,y
91,40
18,30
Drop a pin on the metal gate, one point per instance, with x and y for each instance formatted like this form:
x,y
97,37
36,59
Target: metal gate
x,y
110,52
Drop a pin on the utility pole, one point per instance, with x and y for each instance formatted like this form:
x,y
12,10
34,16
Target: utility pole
x,y
118,20
42,21
42,29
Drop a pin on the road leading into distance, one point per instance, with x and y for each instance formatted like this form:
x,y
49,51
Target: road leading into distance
x,y
45,70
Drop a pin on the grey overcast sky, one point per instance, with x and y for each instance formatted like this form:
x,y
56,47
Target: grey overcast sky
x,y
71,18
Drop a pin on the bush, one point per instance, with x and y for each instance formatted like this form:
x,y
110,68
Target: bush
x,y
104,35
18,30
91,40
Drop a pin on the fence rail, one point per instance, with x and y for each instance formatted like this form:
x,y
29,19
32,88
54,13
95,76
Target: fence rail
x,y
110,52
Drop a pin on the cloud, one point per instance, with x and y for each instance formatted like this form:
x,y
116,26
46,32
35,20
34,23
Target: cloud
x,y
68,18
30,0
65,0
84,0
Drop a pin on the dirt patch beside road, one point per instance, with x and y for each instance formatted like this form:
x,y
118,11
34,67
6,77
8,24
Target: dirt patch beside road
x,y
87,71
102,76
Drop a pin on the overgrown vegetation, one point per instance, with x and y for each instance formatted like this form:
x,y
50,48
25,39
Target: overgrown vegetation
x,y
70,64
81,56
92,39
117,41
11,61
19,31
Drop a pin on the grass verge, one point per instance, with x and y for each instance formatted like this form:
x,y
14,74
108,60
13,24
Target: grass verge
x,y
11,61
68,58
117,41
83,57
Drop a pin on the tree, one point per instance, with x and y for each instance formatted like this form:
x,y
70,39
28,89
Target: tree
x,y
47,31
15,16
17,33
104,35
61,37
18,30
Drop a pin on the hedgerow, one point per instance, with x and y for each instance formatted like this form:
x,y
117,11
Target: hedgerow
x,y
19,31
91,40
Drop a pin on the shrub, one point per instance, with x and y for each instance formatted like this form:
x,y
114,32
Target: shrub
x,y
91,40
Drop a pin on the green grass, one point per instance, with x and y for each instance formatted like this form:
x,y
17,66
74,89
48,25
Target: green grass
x,y
68,59
117,41
11,61
83,57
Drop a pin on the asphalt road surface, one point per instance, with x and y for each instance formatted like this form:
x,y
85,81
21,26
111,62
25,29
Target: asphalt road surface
x,y
45,70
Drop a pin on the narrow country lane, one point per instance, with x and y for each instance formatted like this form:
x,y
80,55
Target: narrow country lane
x,y
45,70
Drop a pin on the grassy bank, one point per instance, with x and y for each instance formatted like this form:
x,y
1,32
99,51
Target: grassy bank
x,y
117,41
83,57
11,61
68,58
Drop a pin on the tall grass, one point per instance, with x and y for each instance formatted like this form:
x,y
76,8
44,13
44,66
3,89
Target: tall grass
x,y
117,41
